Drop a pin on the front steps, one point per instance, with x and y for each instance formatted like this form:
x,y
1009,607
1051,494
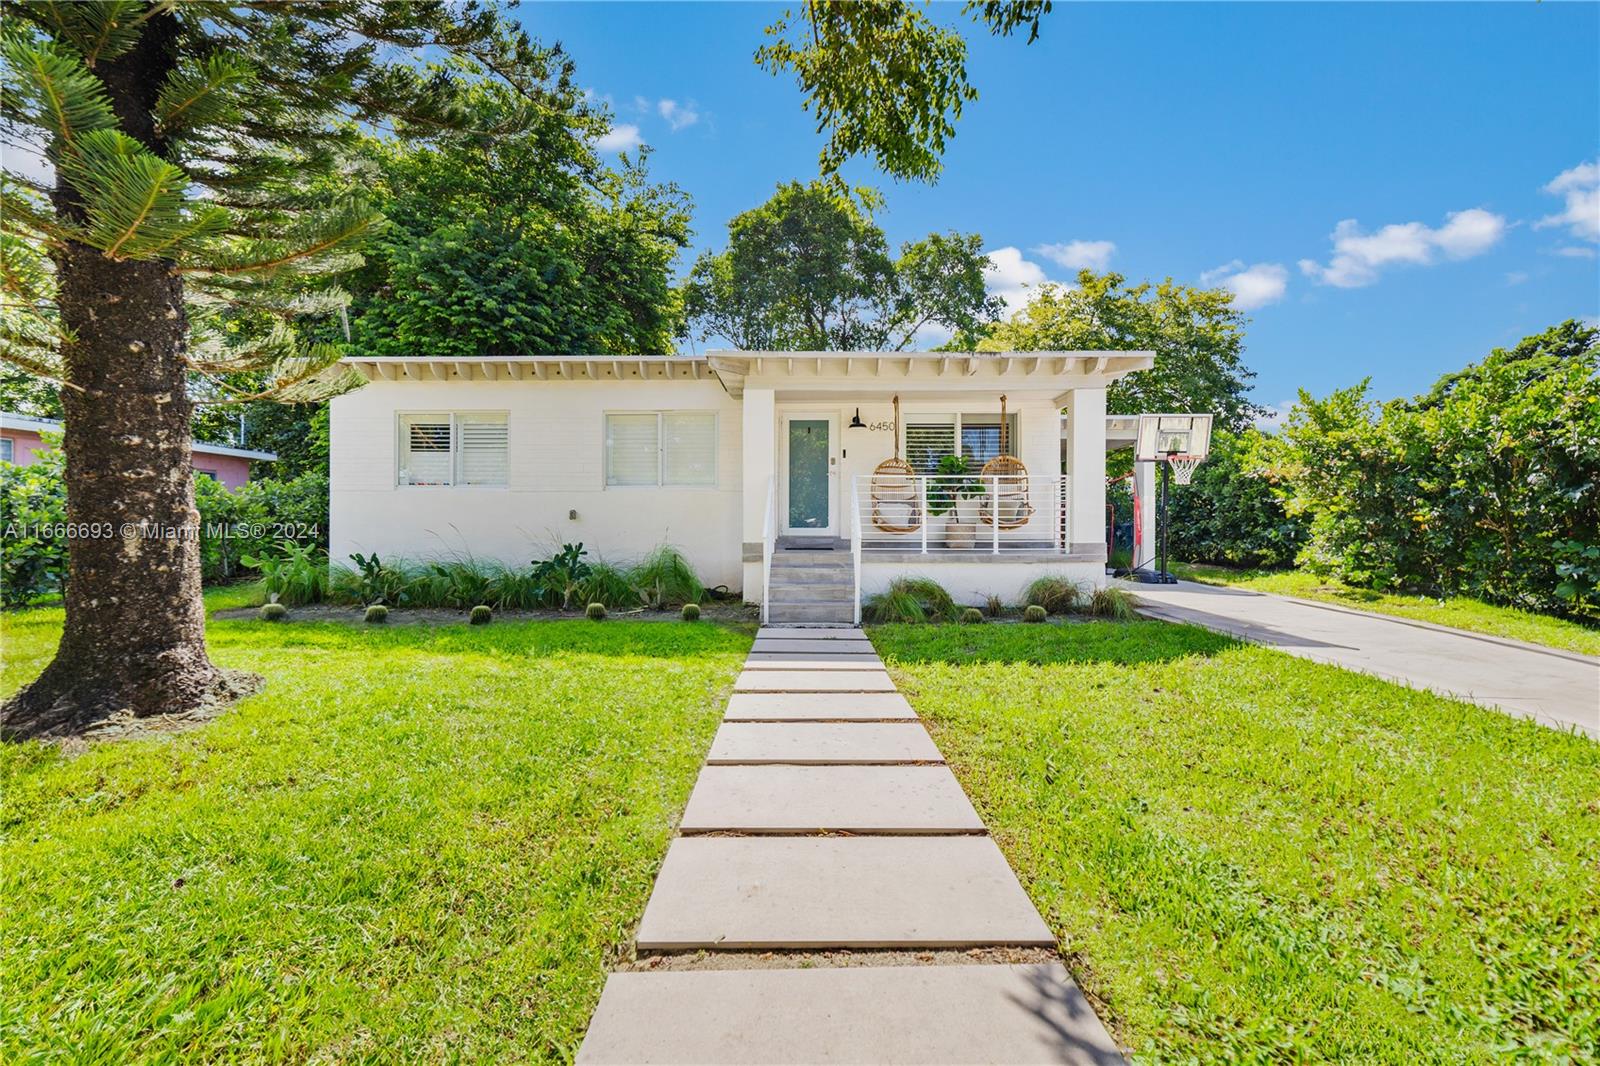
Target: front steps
x,y
811,587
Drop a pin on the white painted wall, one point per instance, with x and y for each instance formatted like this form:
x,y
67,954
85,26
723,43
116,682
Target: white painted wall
x,y
971,584
556,444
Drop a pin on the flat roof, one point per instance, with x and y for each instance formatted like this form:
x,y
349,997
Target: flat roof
x,y
53,425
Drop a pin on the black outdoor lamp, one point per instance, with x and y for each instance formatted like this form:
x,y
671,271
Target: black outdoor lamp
x,y
856,423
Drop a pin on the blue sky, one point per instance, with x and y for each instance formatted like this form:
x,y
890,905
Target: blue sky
x,y
1393,190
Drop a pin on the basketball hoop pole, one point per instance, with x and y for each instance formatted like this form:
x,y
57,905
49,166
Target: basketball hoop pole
x,y
1160,576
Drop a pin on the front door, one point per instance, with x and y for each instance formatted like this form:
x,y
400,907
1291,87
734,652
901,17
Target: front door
x,y
809,467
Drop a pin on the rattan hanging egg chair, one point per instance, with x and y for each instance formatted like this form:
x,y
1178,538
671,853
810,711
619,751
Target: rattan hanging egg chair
x,y
1005,480
895,504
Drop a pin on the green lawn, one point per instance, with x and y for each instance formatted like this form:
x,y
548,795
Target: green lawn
x,y
416,844
1462,613
1249,857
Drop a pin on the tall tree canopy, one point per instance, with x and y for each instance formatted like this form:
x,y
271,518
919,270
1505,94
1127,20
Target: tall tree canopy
x,y
524,244
809,270
193,147
882,78
1196,334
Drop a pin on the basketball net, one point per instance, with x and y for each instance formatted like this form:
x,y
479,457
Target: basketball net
x,y
1183,467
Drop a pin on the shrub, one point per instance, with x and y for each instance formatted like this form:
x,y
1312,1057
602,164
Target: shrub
x,y
971,616
563,574
371,581
516,589
1231,513
33,500
911,599
297,574
1034,613
1109,602
665,578
377,614
595,612
480,615
691,612
273,612
609,586
994,606
459,583
235,523
1056,594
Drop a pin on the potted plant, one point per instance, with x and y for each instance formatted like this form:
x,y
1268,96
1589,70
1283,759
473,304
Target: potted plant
x,y
956,489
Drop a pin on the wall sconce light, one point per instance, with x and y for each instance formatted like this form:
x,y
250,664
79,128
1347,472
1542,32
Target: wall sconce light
x,y
856,423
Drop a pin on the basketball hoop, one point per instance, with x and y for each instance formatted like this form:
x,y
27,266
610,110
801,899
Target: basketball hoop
x,y
1183,467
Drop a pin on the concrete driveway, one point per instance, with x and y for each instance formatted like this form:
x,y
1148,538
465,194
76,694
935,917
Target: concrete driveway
x,y
1559,688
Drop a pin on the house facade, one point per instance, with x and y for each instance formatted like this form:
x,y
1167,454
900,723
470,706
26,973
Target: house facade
x,y
754,464
22,439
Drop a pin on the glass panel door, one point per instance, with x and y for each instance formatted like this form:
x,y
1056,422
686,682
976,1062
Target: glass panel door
x,y
809,493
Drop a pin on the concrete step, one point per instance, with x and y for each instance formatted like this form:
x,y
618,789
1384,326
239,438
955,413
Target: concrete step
x,y
799,613
1001,1014
812,594
813,575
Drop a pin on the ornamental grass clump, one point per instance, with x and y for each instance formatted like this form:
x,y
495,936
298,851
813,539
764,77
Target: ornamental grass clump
x,y
481,615
1113,603
274,612
1034,613
971,617
911,600
1057,595
665,578
691,612
595,612
377,614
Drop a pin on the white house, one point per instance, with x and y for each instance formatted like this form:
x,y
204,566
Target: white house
x,y
762,467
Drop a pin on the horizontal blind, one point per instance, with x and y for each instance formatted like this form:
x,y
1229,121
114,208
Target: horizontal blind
x,y
689,444
484,458
929,441
980,437
425,455
633,452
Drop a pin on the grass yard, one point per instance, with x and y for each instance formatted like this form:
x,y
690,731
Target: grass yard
x,y
1462,613
417,843
1250,857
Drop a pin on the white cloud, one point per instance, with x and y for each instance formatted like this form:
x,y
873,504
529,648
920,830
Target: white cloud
x,y
678,116
1516,277
1573,251
1359,257
1011,277
1079,255
620,138
1252,286
1581,188
1271,418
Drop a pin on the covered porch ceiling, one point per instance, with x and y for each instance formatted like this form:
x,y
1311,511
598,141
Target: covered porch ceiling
x,y
929,375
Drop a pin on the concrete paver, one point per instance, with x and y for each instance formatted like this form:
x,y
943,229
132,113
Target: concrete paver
x,y
836,743
813,681
814,662
767,645
1555,687
837,892
810,633
854,799
937,1015
817,706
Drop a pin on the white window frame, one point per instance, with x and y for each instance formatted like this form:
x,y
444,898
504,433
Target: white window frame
x,y
661,451
454,418
956,420
9,447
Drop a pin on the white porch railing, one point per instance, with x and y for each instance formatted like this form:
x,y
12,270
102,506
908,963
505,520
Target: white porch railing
x,y
769,529
855,546
961,515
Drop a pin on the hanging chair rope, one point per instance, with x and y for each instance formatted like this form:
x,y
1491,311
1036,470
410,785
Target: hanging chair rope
x,y
895,504
1006,480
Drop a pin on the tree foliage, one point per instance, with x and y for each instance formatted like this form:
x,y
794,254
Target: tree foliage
x,y
1196,334
1231,513
882,78
1488,485
809,270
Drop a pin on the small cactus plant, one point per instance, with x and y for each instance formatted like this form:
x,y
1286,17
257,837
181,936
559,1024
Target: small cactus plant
x,y
971,616
691,612
377,614
595,612
274,612
480,615
1034,613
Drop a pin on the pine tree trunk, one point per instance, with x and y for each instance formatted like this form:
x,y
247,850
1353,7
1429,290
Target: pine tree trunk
x,y
134,640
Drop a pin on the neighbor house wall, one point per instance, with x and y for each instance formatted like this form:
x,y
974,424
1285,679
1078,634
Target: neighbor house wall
x,y
231,470
556,433
25,445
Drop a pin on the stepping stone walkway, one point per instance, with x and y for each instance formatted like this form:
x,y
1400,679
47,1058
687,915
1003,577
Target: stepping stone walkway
x,y
826,819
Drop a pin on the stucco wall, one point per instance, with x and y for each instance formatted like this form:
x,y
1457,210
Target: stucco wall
x,y
25,445
231,470
555,435
971,584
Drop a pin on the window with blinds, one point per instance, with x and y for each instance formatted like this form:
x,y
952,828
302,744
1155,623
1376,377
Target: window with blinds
x,y
469,448
929,438
672,448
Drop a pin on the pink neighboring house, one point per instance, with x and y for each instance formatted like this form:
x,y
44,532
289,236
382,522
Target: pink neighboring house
x,y
21,440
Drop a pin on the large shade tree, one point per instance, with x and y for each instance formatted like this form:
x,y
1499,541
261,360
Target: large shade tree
x,y
192,146
1196,334
809,270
